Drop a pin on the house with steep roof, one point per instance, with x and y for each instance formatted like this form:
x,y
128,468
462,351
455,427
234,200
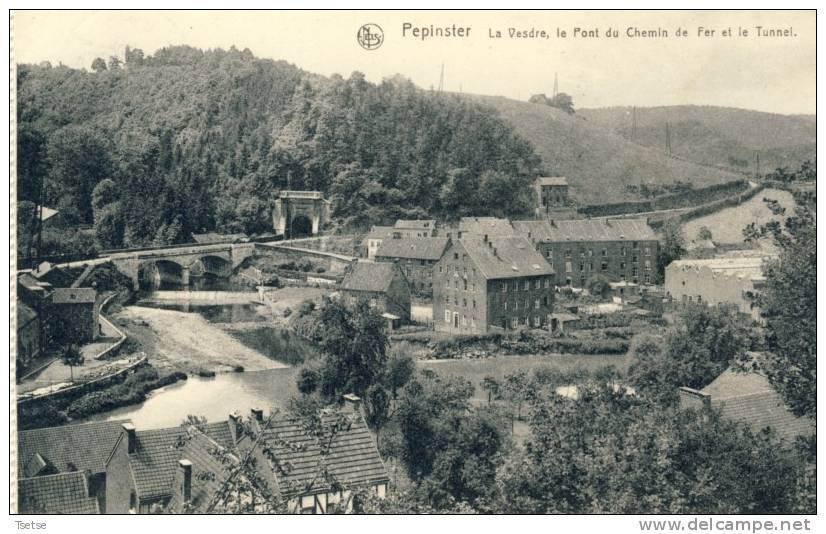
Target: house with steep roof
x,y
60,493
402,229
316,470
492,282
374,238
415,257
382,285
748,397
735,280
619,249
69,448
142,465
552,193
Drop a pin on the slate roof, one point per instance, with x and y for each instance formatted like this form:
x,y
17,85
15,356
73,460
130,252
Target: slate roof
x,y
419,248
506,257
156,456
552,180
84,446
352,460
25,314
750,398
200,450
586,230
380,232
212,237
74,295
415,224
485,226
64,493
368,276
31,283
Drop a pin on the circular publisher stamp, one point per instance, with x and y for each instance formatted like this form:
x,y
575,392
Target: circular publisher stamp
x,y
370,36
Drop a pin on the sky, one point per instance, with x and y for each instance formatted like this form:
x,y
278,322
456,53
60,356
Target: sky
x,y
773,74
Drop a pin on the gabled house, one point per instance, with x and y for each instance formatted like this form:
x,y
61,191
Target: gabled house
x,y
749,398
60,493
317,475
382,285
142,465
81,447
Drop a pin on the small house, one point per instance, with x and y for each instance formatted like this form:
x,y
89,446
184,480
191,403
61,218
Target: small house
x,y
382,285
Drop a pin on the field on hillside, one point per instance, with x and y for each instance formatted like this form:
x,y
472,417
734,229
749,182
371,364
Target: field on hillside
x,y
712,135
727,225
598,162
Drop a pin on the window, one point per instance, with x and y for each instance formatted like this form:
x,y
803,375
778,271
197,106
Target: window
x,y
636,245
464,303
647,265
536,304
537,321
590,252
474,303
549,253
516,305
527,285
647,278
464,320
591,266
622,265
527,304
505,305
455,255
581,267
545,301
568,253
622,251
473,322
440,268
634,259
537,284
133,502
634,271
504,287
568,281
447,299
604,266
568,267
514,322
464,280
547,283
647,251
605,253
455,300
516,285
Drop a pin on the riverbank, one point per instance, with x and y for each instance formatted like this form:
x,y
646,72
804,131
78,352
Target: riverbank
x,y
187,342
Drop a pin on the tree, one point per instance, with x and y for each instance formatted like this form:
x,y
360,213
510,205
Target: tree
x,y
400,368
308,380
354,344
789,304
492,386
516,389
599,286
376,408
562,101
98,65
704,233
672,245
72,357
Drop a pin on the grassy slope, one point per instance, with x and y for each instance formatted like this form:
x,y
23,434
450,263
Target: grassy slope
x,y
714,135
598,163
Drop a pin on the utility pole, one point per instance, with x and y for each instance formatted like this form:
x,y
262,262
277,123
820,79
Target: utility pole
x,y
634,123
757,166
442,77
556,84
667,139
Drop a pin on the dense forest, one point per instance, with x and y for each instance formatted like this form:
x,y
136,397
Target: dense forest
x,y
149,149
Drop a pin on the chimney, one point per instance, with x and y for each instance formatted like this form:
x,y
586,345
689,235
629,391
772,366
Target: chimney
x,y
186,480
494,252
235,429
257,414
131,438
353,402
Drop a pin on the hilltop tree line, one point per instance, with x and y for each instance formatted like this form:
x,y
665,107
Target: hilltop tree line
x,y
148,149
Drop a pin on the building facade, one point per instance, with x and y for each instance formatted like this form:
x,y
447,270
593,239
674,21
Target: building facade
x,y
552,193
416,258
619,249
487,283
76,312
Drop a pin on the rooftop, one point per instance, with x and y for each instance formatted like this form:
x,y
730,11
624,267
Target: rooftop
x,y
586,230
748,397
368,276
485,226
78,447
380,232
411,224
506,257
201,451
74,295
156,456
424,248
63,493
552,180
25,314
352,460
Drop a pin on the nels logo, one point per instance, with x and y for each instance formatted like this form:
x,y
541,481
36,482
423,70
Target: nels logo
x,y
370,36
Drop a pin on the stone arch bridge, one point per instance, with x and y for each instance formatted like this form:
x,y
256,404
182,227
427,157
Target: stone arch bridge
x,y
180,264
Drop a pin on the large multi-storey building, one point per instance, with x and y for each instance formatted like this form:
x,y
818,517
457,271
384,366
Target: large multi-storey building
x,y
619,249
491,282
402,229
416,258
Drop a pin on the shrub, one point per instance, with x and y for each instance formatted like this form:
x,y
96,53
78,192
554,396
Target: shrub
x,y
287,312
238,368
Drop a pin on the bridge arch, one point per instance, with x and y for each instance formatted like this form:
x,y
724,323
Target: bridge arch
x,y
162,273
